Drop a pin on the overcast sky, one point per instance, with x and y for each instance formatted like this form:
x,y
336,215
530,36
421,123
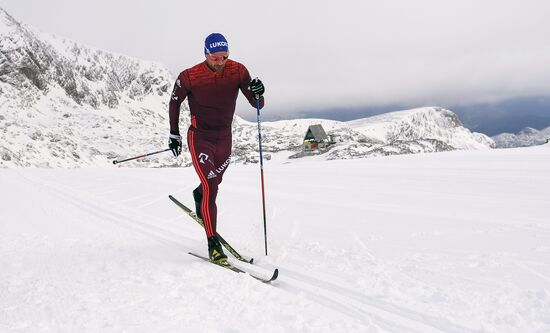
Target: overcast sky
x,y
318,55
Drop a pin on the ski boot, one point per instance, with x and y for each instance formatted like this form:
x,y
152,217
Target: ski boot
x,y
197,195
215,251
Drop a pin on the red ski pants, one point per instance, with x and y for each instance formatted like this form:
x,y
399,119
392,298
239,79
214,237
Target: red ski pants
x,y
211,154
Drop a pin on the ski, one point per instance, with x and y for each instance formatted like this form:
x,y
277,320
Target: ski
x,y
197,219
235,269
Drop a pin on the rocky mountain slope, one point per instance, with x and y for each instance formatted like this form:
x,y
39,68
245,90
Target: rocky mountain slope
x,y
524,138
64,104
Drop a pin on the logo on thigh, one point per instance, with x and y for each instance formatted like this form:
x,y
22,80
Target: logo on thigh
x,y
224,165
203,158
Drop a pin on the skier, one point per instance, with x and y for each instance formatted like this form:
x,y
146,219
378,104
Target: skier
x,y
211,87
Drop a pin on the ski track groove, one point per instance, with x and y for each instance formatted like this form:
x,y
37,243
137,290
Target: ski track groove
x,y
532,271
348,309
378,309
362,244
134,198
131,221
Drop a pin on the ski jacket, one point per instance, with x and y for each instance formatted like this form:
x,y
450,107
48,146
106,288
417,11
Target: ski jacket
x,y
212,96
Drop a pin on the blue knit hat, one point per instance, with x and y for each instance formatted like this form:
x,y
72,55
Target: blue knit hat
x,y
215,43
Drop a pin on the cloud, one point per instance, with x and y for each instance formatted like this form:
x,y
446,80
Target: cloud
x,y
319,55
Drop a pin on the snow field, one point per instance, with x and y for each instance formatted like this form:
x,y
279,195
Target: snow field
x,y
446,242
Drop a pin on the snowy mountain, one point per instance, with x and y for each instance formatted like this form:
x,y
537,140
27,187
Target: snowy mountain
x,y
35,65
526,137
429,129
63,104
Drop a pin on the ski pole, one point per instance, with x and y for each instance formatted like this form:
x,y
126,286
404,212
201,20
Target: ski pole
x,y
261,168
140,156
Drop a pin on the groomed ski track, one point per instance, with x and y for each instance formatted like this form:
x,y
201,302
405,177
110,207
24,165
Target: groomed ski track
x,y
450,242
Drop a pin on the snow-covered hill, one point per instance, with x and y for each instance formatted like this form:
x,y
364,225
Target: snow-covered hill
x,y
433,243
429,129
36,66
525,138
63,104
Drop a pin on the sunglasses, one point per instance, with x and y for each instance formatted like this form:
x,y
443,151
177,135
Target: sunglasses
x,y
218,58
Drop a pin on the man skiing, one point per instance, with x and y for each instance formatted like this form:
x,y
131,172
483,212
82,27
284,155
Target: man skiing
x,y
212,88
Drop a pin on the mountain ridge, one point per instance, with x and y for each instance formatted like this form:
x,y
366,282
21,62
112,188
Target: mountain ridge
x,y
526,137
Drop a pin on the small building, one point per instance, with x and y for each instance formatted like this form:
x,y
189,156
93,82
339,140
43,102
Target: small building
x,y
316,138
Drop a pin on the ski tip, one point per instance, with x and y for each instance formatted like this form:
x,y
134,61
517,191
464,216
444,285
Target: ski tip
x,y
275,275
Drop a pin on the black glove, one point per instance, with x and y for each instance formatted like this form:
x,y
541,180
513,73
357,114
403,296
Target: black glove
x,y
257,88
174,143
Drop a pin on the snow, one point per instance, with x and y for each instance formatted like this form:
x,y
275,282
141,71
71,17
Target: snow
x,y
527,137
6,23
445,242
425,122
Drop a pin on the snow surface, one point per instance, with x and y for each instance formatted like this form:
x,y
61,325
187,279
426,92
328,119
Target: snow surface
x,y
447,242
